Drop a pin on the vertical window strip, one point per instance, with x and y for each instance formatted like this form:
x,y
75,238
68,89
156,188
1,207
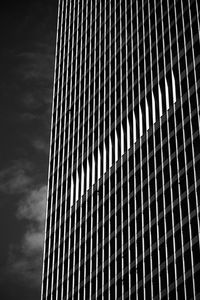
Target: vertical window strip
x,y
196,94
166,97
99,163
171,92
129,144
81,105
86,166
89,154
77,99
77,186
167,94
178,75
93,36
140,120
128,134
134,128
46,289
116,146
71,119
122,139
173,87
104,156
187,167
143,114
61,159
160,101
137,135
110,151
153,109
147,114
93,168
65,250
54,260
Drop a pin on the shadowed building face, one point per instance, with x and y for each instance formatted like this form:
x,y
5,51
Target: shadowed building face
x,y
123,191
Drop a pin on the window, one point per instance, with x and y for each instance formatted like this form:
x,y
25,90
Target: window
x,y
164,130
186,108
194,227
157,136
190,174
158,158
187,259
179,268
170,246
196,253
161,227
151,164
187,131
181,160
184,208
163,279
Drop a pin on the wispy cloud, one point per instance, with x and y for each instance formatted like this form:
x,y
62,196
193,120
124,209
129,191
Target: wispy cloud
x,y
32,207
41,145
25,259
38,65
16,178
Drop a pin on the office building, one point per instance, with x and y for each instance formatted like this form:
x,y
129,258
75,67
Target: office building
x,y
123,199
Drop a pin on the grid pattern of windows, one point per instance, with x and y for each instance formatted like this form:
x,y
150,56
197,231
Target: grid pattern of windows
x,y
123,203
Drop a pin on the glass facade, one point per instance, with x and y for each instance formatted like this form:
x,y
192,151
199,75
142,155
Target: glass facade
x,y
123,203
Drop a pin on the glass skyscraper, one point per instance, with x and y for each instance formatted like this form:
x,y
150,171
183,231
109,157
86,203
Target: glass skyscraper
x,y
123,202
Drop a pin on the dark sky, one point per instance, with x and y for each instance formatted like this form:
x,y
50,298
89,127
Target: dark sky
x,y
28,33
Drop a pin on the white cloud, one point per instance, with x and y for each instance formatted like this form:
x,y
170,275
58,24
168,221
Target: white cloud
x,y
25,258
40,145
28,116
38,65
16,178
33,241
26,269
32,207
